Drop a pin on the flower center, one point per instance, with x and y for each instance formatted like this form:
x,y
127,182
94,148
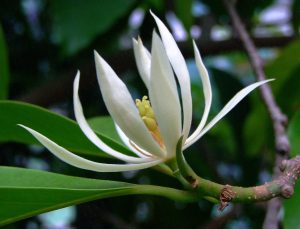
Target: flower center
x,y
148,116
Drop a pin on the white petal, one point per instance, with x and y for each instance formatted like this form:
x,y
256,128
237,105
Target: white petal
x,y
83,163
89,133
178,63
121,107
131,145
164,96
143,60
206,90
228,107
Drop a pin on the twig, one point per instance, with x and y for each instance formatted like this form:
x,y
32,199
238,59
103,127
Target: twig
x,y
278,118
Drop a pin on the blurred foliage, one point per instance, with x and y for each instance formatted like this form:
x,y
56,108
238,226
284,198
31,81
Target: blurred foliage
x,y
44,41
183,10
92,18
4,70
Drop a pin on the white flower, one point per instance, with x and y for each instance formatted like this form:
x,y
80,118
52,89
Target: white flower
x,y
152,133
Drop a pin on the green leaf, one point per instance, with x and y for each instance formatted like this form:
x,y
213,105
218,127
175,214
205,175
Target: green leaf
x,y
294,134
296,16
26,192
183,10
104,126
291,218
58,128
4,68
288,96
284,65
77,23
285,69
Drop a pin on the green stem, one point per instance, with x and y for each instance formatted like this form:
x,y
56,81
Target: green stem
x,y
174,194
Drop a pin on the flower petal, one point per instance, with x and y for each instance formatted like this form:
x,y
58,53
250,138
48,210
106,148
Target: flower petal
x,y
228,107
206,90
143,60
121,107
164,96
90,134
179,66
83,163
131,145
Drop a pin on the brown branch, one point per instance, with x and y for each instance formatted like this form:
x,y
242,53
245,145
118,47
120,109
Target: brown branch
x,y
279,120
281,186
59,90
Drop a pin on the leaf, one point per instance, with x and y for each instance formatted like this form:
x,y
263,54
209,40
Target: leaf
x,y
254,139
291,218
58,128
77,23
284,65
288,96
4,68
294,134
105,125
26,192
284,69
295,15
183,10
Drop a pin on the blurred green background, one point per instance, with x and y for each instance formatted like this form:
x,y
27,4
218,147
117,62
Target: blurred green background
x,y
43,44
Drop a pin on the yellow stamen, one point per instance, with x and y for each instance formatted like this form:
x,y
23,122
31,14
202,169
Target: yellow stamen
x,y
147,114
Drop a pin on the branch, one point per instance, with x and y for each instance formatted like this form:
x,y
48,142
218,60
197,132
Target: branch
x,y
282,186
279,120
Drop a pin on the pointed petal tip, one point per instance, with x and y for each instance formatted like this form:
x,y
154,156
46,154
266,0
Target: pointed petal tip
x,y
134,41
21,125
195,45
153,14
264,81
95,52
140,42
77,76
26,128
99,61
97,57
196,50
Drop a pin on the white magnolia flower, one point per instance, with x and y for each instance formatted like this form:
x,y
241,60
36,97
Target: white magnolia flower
x,y
150,131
